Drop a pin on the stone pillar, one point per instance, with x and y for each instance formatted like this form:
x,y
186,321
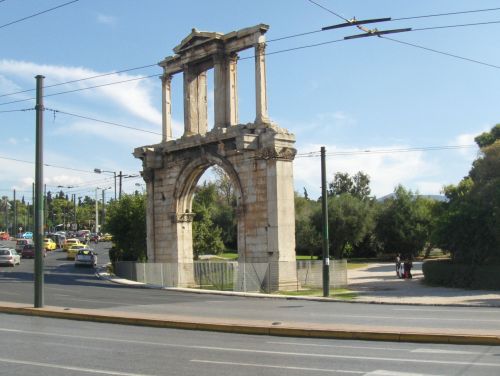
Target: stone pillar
x,y
220,66
225,90
195,102
232,90
260,84
166,81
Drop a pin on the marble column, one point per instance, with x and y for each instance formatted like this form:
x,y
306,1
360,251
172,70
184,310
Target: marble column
x,y
232,90
166,81
260,84
195,102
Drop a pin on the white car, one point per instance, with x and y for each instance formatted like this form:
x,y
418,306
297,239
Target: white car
x,y
9,256
86,257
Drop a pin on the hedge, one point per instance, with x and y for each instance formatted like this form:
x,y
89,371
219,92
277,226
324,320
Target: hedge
x,y
446,273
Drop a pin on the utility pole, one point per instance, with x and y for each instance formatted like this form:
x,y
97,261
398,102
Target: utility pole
x,y
33,204
120,194
324,209
74,211
38,233
14,226
96,213
103,205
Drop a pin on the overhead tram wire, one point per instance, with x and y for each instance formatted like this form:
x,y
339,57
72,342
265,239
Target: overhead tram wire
x,y
84,88
314,154
102,121
83,79
243,58
38,14
47,165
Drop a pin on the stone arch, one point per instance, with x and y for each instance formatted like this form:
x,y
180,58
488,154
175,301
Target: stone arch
x,y
191,173
258,157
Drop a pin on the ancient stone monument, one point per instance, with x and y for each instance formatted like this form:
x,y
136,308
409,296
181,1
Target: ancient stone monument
x,y
257,157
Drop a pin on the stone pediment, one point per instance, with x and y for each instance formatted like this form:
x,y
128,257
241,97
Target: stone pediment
x,y
195,38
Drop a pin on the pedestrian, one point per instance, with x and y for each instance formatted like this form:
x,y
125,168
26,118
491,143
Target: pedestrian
x,y
398,265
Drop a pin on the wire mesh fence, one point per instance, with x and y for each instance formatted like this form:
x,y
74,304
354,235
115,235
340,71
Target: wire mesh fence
x,y
235,276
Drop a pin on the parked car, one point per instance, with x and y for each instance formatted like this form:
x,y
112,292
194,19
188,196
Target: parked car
x,y
69,242
49,244
86,257
29,251
27,235
20,243
73,250
4,235
9,256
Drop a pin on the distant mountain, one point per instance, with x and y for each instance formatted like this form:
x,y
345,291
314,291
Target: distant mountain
x,y
440,198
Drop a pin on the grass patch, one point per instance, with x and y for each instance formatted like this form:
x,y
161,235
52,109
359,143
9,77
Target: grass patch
x,y
229,255
356,265
306,257
334,293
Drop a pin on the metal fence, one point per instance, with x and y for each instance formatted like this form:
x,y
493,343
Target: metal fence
x,y
235,276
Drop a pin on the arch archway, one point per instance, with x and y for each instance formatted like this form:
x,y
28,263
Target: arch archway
x,y
258,157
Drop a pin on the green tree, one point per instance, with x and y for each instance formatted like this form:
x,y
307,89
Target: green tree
x,y
358,185
126,221
469,226
350,219
403,223
207,237
308,240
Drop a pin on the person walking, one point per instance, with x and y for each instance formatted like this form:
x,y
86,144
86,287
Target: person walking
x,y
398,265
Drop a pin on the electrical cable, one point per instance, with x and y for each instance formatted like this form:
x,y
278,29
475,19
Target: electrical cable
x,y
441,52
39,13
82,79
18,110
446,14
84,88
102,121
46,164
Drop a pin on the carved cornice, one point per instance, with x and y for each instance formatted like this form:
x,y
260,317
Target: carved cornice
x,y
287,154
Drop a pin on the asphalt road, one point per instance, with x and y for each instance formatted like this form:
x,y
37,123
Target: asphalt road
x,y
43,346
67,286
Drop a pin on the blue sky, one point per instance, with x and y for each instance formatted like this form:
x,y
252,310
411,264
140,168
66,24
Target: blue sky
x,y
357,95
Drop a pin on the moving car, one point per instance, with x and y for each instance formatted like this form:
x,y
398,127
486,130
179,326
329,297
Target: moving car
x,y
86,257
4,235
49,244
69,242
73,250
107,237
20,243
27,235
29,251
9,256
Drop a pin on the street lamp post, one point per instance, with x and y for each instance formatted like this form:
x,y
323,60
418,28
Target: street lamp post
x,y
99,171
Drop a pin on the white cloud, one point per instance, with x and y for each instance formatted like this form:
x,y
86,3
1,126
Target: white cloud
x,y
386,171
12,140
106,20
132,97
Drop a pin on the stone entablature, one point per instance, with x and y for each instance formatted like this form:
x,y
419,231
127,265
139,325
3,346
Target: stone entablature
x,y
258,158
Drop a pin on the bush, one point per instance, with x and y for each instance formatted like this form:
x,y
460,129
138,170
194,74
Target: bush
x,y
448,274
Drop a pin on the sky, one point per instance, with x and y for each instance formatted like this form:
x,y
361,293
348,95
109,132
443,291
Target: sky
x,y
366,100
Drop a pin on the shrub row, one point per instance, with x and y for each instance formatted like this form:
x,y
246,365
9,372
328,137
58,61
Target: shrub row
x,y
446,273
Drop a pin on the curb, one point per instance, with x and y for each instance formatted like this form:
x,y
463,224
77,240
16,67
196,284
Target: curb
x,y
255,328
129,283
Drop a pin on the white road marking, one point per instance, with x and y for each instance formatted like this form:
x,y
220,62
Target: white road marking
x,y
273,366
70,368
234,350
337,346
474,310
382,372
440,351
75,346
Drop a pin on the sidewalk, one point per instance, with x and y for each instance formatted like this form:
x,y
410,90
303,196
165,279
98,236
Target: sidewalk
x,y
378,283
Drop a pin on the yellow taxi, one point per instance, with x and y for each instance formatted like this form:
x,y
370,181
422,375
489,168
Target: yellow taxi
x,y
107,237
69,242
49,244
73,250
